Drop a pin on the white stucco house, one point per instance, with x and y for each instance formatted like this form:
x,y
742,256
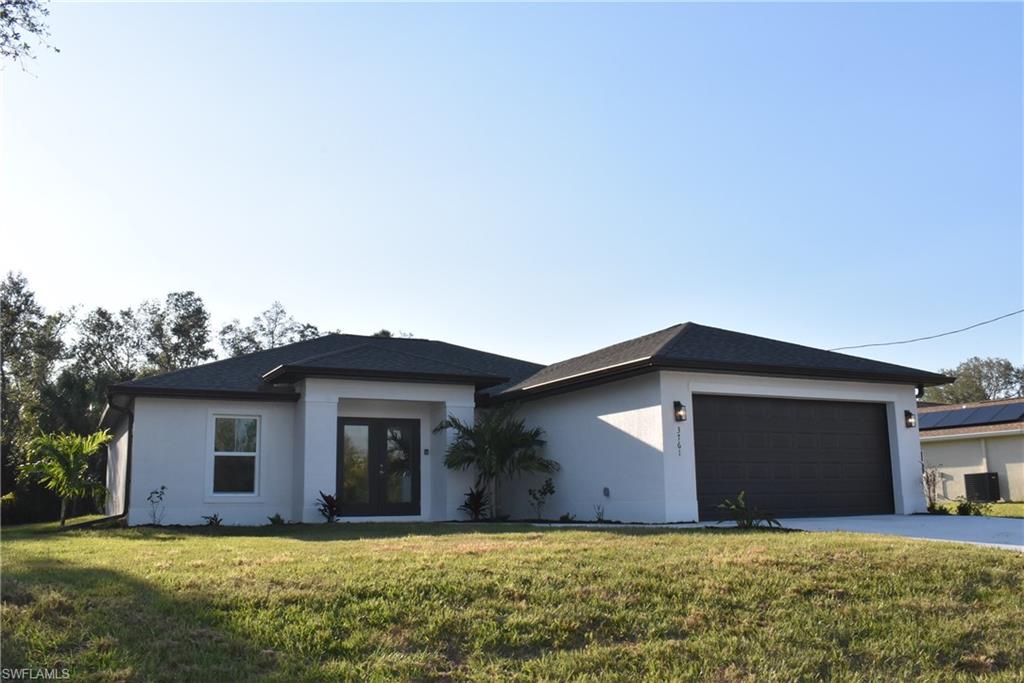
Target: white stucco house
x,y
659,428
975,438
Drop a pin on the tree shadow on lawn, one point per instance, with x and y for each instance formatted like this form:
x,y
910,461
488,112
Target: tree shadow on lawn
x,y
90,620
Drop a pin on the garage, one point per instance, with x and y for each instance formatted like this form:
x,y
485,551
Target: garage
x,y
794,458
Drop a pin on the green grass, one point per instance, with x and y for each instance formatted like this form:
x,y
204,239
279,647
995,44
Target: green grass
x,y
458,602
996,509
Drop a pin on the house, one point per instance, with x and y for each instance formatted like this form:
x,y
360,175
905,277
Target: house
x,y
658,428
972,438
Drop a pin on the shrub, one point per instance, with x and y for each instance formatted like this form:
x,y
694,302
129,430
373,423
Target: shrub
x,y
328,507
936,509
213,520
277,519
476,503
932,477
971,508
746,516
540,496
567,518
156,505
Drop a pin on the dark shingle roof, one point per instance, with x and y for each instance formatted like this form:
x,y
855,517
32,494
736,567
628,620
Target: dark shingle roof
x,y
698,347
265,374
339,354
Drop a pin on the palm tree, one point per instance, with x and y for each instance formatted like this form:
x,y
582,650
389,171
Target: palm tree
x,y
498,444
61,463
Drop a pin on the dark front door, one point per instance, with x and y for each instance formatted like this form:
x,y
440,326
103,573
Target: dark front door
x,y
793,457
378,466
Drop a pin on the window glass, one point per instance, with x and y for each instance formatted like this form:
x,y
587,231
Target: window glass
x,y
234,474
234,435
355,477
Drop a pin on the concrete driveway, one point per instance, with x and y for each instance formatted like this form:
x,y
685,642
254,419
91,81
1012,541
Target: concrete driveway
x,y
998,532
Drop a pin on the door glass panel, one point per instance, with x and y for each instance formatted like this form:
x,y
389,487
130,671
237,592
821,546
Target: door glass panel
x,y
398,486
355,462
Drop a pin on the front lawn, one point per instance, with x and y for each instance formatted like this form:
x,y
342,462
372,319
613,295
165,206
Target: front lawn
x,y
358,602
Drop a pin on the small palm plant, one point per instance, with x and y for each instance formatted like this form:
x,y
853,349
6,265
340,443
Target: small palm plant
x,y
498,444
60,462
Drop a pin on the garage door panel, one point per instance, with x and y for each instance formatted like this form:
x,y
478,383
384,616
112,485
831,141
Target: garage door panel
x,y
792,457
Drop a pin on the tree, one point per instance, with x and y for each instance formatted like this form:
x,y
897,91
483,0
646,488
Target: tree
x,y
60,462
112,344
177,332
270,329
980,379
18,20
498,444
31,348
388,334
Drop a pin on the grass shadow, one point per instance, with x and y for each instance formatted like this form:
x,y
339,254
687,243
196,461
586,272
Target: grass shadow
x,y
110,621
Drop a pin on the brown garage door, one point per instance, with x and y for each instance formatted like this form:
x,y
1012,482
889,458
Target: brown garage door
x,y
792,457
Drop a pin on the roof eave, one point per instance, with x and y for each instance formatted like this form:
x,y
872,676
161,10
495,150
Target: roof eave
x,y
168,392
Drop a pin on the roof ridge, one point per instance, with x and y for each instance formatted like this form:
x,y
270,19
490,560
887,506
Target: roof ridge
x,y
328,353
387,350
618,343
231,358
683,329
803,346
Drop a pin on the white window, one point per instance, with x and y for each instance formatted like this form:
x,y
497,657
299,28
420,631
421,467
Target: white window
x,y
236,447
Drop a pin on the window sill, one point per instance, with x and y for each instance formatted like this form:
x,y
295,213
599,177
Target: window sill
x,y
232,498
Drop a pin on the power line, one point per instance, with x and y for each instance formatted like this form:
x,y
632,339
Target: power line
x,y
933,336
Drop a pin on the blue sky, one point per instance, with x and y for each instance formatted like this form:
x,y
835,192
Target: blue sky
x,y
534,180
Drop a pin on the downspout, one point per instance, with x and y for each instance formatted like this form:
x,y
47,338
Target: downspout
x,y
127,455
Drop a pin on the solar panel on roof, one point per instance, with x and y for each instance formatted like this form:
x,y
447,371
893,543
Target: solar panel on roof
x,y
970,417
984,415
1011,412
955,418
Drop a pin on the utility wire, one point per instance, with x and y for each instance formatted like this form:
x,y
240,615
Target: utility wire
x,y
933,336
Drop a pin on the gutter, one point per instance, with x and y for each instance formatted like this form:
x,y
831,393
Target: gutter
x,y
128,454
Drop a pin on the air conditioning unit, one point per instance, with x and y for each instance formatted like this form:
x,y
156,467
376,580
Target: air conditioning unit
x,y
983,488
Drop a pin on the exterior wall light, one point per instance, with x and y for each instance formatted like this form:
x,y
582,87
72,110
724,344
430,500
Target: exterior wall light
x,y
910,419
679,410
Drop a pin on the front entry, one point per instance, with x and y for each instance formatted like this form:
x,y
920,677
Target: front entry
x,y
378,466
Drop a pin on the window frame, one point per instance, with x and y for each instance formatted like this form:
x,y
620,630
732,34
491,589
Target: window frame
x,y
213,454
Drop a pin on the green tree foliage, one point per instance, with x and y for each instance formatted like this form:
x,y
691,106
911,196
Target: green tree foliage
x,y
177,332
60,463
55,384
270,329
980,379
498,445
31,349
20,19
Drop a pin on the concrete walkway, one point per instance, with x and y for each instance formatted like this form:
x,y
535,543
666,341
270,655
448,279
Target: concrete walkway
x,y
998,532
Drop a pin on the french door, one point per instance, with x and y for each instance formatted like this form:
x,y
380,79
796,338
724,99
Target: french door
x,y
378,466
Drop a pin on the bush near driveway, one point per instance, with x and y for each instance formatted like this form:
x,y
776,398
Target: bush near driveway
x,y
486,602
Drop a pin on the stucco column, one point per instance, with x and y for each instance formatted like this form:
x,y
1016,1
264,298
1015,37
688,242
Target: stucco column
x,y
680,465
452,484
319,426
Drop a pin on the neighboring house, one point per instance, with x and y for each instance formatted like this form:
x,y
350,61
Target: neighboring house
x,y
655,429
972,438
